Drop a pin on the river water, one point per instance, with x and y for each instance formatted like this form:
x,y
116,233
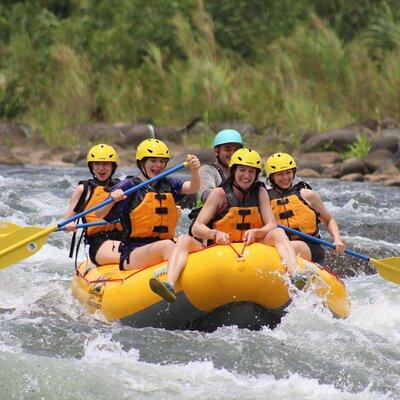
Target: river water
x,y
51,349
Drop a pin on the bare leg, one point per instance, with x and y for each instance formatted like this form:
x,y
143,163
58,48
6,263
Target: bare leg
x,y
277,238
150,254
301,249
108,253
185,244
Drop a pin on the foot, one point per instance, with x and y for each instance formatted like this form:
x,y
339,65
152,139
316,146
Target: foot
x,y
300,279
163,289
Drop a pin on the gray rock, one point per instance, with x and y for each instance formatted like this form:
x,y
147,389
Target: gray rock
x,y
387,142
379,160
73,157
316,166
336,140
390,132
372,124
242,127
391,171
205,156
392,181
308,173
389,123
352,166
7,156
331,172
99,132
133,134
168,133
322,158
14,132
354,177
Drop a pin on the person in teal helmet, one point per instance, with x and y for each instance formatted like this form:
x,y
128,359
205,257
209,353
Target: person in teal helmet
x,y
226,142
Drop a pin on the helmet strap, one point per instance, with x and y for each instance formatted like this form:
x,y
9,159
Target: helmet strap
x,y
142,169
114,168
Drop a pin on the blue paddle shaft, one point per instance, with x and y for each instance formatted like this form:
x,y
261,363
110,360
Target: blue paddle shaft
x,y
323,242
89,224
129,191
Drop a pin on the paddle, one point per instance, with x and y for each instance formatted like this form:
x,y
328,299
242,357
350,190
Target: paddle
x,y
6,231
7,227
26,241
388,268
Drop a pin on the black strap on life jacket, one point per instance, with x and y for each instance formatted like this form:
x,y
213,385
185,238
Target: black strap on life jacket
x,y
88,188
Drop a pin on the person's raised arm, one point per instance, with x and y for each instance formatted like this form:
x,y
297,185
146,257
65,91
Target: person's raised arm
x,y
193,185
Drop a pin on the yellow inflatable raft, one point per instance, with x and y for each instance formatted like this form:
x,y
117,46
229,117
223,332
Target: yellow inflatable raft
x,y
218,287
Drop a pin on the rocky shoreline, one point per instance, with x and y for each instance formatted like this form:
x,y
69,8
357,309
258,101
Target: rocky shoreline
x,y
319,155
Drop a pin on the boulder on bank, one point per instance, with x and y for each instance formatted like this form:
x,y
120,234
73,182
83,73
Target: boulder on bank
x,y
334,140
12,132
354,177
378,160
389,123
242,127
353,166
321,157
7,157
308,173
387,142
98,132
331,172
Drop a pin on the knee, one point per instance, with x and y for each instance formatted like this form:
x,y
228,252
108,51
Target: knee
x,y
183,240
277,234
169,244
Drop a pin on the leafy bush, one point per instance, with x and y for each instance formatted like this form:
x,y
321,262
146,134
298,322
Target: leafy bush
x,y
359,149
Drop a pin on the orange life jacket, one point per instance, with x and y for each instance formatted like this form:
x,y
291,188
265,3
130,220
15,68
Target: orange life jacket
x,y
153,212
290,209
239,216
94,193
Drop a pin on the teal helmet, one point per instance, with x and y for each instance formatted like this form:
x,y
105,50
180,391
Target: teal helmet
x,y
228,136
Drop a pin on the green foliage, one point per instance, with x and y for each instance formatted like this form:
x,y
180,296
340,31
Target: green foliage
x,y
242,26
294,66
383,34
359,149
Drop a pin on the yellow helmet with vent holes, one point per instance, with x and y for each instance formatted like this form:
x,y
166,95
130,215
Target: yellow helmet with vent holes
x,y
152,148
246,157
102,153
279,162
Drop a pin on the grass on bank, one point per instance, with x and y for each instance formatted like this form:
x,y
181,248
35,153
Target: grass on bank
x,y
308,81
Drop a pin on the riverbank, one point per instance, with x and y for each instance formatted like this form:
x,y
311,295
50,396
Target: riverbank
x,y
356,152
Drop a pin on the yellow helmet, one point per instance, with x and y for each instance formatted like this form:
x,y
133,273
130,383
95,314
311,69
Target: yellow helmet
x,y
279,162
102,152
247,157
152,148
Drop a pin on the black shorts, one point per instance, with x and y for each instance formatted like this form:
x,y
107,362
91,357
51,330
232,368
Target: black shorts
x,y
97,241
126,248
317,252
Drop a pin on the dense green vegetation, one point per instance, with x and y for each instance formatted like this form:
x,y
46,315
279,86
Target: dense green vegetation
x,y
292,65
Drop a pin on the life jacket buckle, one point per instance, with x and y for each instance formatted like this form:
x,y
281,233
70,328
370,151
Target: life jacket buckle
x,y
282,201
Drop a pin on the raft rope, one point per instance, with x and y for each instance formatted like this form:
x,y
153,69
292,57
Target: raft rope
x,y
158,272
240,255
105,279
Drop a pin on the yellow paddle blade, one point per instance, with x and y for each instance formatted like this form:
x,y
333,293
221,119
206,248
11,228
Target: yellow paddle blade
x,y
22,243
7,227
388,268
